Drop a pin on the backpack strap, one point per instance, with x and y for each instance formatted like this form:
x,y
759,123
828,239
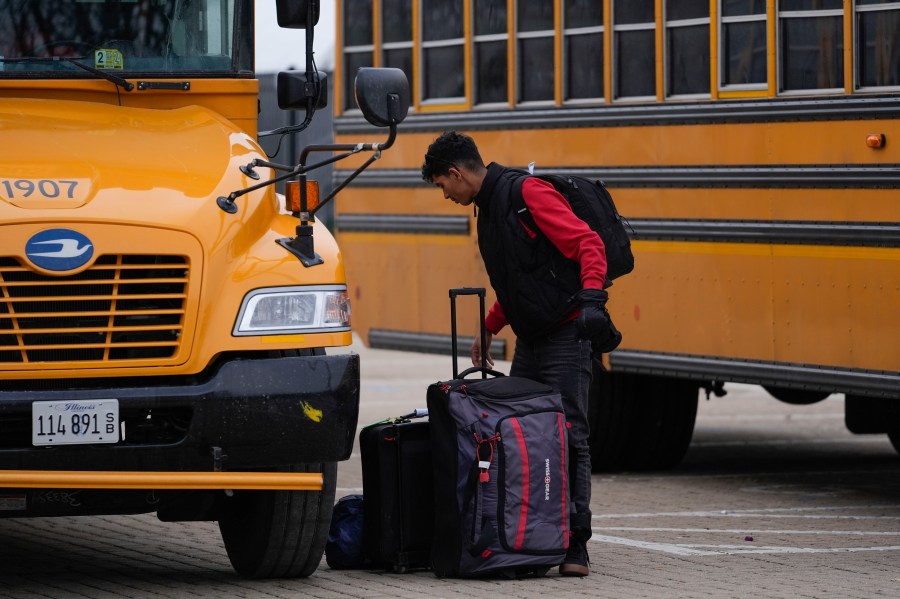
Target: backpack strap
x,y
518,202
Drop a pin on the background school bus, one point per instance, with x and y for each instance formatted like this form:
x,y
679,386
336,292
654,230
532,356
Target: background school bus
x,y
753,147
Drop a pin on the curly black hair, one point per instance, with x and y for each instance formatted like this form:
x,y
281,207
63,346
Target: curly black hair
x,y
451,149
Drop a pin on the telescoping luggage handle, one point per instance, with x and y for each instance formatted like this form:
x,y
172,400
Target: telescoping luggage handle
x,y
480,292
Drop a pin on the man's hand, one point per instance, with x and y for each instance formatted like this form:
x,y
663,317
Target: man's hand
x,y
594,323
476,350
593,320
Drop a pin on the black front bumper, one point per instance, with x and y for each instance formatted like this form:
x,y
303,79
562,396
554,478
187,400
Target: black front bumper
x,y
247,414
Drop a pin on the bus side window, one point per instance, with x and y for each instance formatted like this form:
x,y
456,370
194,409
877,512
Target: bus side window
x,y
634,54
356,20
743,45
397,36
686,48
491,26
583,32
443,51
534,46
812,44
877,44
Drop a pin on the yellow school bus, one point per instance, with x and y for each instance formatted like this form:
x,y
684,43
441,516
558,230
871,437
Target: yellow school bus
x,y
164,314
753,146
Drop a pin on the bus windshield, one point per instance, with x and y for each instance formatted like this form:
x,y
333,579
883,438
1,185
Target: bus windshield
x,y
147,37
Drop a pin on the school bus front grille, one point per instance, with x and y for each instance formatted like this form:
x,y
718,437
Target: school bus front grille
x,y
124,307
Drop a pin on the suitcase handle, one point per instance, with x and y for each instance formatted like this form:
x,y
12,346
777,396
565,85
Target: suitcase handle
x,y
417,413
480,292
480,369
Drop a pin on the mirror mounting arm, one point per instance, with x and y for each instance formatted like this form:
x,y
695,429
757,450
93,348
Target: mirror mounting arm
x,y
377,149
347,181
249,169
227,203
278,167
302,245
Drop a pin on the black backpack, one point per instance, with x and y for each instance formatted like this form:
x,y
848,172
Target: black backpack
x,y
592,203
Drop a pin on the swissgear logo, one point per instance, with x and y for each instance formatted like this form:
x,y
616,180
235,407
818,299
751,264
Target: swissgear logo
x,y
547,479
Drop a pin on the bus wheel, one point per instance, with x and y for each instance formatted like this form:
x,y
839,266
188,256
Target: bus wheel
x,y
797,397
640,422
279,534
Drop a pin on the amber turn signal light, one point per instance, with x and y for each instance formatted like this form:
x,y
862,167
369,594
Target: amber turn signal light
x,y
292,196
875,140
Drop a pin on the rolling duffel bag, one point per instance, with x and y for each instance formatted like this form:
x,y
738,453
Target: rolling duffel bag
x,y
500,463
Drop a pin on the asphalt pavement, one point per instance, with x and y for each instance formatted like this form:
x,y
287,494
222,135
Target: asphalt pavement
x,y
772,500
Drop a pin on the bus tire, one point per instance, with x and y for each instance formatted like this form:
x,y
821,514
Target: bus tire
x,y
797,397
668,410
640,422
279,534
610,416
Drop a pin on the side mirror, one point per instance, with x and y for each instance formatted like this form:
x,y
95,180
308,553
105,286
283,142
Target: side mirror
x,y
383,95
294,90
293,14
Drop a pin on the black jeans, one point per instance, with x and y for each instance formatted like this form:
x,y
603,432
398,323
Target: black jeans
x,y
563,361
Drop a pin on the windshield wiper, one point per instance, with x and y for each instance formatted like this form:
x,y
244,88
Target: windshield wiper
x,y
123,83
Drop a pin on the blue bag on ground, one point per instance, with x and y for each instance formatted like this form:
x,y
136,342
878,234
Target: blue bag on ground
x,y
344,547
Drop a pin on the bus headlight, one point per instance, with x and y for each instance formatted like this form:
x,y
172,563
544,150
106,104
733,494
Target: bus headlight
x,y
286,310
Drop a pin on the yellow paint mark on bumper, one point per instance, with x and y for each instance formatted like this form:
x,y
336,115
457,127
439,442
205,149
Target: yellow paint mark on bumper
x,y
311,413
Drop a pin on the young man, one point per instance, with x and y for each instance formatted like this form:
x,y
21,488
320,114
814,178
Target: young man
x,y
549,286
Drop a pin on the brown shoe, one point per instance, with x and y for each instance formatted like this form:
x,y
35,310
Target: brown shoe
x,y
576,562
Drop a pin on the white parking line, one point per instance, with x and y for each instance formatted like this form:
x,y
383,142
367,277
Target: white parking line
x,y
663,547
711,549
679,476
755,531
790,417
788,512
793,442
694,550
741,550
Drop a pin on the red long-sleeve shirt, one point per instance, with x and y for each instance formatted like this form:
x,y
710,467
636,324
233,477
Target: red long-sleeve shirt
x,y
571,236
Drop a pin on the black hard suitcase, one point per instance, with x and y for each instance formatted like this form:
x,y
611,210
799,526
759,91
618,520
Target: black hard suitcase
x,y
398,513
398,510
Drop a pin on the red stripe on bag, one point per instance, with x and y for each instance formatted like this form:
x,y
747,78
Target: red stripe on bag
x,y
565,514
526,492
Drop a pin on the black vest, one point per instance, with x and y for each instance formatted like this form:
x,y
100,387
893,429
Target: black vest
x,y
534,282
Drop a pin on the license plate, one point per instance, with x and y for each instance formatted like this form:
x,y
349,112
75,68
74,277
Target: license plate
x,y
75,422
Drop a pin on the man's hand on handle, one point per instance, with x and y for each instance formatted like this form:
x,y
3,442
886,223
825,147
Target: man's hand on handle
x,y
476,350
